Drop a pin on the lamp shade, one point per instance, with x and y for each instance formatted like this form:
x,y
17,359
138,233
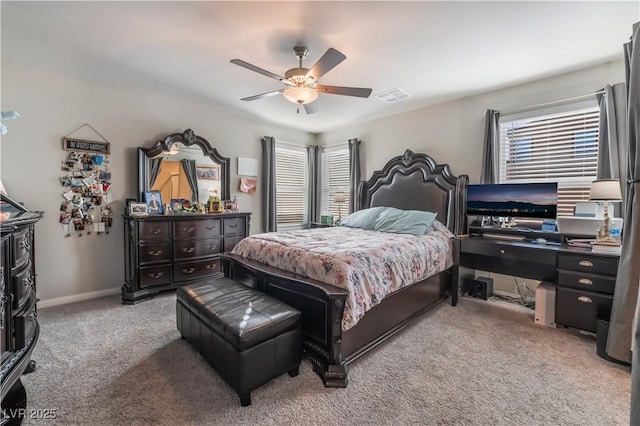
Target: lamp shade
x,y
605,190
339,197
300,95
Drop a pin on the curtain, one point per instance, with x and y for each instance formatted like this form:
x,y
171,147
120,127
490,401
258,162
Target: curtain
x,y
189,167
269,208
612,144
315,189
625,299
489,173
354,172
155,169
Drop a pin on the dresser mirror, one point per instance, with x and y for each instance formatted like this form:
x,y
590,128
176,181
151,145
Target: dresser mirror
x,y
183,166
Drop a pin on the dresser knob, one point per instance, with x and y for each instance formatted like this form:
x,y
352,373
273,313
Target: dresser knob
x,y
156,231
188,250
211,267
233,226
585,263
584,299
189,229
154,253
156,275
188,270
585,281
502,251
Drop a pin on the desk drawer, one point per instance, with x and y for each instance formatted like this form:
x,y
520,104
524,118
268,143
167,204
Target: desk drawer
x,y
22,286
587,282
581,309
586,263
509,252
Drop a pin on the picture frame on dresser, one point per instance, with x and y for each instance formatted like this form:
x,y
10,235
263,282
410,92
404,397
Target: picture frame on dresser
x,y
138,209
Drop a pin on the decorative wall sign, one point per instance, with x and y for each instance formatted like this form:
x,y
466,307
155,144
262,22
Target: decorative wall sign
x,y
82,145
86,186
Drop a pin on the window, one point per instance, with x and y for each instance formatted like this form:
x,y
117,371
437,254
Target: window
x,y
559,148
334,176
291,186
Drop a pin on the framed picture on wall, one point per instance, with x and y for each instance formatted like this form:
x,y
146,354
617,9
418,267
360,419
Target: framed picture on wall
x,y
154,202
208,172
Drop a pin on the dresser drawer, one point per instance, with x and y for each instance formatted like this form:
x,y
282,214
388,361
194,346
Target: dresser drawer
x,y
188,229
587,282
581,309
586,263
25,327
197,248
230,242
198,269
21,246
22,286
152,276
234,226
154,231
154,252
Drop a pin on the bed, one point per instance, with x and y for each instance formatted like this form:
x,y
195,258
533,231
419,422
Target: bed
x,y
410,182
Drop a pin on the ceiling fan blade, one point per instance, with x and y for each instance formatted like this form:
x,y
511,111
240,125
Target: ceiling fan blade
x,y
311,107
262,95
359,92
259,70
326,63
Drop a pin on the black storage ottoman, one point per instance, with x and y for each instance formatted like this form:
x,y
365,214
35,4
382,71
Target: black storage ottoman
x,y
247,336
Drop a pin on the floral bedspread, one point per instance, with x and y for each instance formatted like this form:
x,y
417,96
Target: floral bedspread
x,y
369,264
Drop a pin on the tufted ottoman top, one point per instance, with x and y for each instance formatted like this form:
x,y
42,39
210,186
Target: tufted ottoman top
x,y
242,315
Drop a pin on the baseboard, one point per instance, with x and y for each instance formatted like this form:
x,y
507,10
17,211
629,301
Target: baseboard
x,y
78,297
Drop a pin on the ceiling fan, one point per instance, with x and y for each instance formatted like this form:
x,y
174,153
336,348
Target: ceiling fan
x,y
302,83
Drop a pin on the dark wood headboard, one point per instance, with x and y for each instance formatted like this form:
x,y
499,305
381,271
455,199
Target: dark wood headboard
x,y
416,182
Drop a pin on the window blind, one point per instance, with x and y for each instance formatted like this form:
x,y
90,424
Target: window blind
x,y
559,148
291,185
334,178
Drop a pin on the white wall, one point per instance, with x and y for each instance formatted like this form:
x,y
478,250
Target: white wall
x,y
51,106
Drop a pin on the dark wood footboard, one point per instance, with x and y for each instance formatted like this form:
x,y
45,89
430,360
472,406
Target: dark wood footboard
x,y
328,348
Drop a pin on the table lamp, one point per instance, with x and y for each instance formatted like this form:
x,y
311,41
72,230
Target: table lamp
x,y
339,198
606,191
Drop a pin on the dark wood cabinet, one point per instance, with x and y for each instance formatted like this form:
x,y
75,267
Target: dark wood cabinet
x,y
19,328
584,281
585,289
166,252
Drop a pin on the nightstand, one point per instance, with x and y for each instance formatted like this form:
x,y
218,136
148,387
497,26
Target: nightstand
x,y
320,225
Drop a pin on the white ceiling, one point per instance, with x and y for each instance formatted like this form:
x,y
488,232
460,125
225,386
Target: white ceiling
x,y
436,51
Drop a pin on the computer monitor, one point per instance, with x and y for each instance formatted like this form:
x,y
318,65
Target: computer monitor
x,y
526,200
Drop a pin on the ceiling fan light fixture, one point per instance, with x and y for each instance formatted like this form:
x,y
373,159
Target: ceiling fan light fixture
x,y
300,95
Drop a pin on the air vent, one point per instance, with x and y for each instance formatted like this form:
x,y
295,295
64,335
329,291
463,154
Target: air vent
x,y
393,95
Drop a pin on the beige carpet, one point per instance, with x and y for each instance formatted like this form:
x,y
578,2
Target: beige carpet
x,y
480,363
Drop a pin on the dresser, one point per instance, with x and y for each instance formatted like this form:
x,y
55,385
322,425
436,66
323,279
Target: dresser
x,y
163,252
18,316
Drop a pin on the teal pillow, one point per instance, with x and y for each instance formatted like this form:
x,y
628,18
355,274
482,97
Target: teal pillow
x,y
363,219
415,222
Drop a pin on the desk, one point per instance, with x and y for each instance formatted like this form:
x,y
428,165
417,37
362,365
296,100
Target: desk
x,y
584,280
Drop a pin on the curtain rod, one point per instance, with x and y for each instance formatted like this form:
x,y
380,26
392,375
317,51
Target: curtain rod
x,y
560,101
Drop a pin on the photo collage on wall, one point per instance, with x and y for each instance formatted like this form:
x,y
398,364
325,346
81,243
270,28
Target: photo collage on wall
x,y
85,205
